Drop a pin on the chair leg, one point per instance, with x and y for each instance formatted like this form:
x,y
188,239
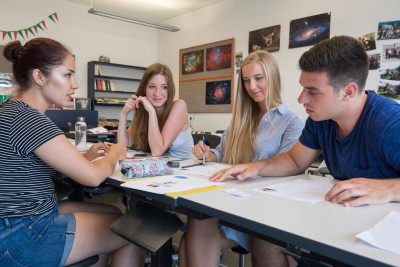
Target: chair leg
x,y
241,260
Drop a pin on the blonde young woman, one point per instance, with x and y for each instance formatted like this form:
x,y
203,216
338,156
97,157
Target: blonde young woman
x,y
261,127
160,124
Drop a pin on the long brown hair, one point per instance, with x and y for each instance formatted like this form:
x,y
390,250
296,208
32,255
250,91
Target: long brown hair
x,y
240,144
140,123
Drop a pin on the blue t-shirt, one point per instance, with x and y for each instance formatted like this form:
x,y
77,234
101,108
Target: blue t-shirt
x,y
371,150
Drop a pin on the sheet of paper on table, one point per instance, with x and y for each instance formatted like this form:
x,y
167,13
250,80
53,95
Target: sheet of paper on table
x,y
299,189
385,234
168,183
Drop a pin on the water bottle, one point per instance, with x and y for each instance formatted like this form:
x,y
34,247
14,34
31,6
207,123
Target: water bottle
x,y
80,134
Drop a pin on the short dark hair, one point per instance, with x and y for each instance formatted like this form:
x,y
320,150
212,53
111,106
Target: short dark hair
x,y
342,58
44,54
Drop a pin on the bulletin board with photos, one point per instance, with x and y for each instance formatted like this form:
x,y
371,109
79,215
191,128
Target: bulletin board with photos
x,y
206,77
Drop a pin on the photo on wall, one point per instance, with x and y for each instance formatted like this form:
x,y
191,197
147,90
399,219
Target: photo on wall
x,y
218,92
82,103
374,61
390,74
391,52
310,30
390,90
265,39
368,41
219,57
389,30
193,62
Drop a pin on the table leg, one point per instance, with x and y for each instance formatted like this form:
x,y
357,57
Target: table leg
x,y
163,256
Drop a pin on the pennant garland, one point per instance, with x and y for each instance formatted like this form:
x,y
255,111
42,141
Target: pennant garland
x,y
33,30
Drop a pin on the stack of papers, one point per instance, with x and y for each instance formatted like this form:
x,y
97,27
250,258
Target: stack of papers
x,y
169,184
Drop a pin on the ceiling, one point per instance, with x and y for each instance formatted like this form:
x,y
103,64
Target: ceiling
x,y
146,10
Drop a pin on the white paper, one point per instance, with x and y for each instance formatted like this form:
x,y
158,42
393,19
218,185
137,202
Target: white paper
x,y
385,234
209,169
299,189
98,130
168,183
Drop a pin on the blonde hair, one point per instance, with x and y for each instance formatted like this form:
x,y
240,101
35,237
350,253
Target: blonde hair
x,y
140,123
240,144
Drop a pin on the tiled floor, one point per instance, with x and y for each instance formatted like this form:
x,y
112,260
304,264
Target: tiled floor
x,y
229,259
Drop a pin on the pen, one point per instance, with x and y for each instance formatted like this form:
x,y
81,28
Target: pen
x,y
204,155
188,166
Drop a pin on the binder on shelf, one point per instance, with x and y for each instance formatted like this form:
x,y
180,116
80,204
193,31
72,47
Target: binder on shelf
x,y
97,70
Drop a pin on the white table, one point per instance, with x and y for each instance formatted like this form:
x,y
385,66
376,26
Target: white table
x,y
324,228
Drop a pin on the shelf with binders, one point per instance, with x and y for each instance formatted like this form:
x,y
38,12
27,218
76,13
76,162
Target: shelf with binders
x,y
110,85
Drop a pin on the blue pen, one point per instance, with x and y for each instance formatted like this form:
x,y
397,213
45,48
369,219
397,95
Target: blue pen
x,y
204,155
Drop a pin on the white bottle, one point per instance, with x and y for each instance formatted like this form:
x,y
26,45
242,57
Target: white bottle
x,y
80,134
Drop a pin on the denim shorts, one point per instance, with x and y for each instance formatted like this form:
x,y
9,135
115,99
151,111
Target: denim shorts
x,y
42,240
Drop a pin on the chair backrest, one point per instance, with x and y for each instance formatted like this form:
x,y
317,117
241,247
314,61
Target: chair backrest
x,y
211,140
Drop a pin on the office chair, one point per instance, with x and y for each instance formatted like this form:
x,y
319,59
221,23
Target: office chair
x,y
211,140
85,262
241,251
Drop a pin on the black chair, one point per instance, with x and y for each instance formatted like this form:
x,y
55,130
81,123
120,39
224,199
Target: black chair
x,y
211,140
241,251
86,262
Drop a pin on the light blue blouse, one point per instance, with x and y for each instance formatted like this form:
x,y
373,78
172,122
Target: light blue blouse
x,y
278,131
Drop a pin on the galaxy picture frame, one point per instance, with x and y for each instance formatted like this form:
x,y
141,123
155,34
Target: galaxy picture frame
x,y
206,77
309,30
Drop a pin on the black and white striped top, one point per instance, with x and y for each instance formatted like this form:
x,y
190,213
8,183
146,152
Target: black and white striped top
x,y
26,188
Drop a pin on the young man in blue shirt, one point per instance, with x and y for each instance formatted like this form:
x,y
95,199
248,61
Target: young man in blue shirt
x,y
357,132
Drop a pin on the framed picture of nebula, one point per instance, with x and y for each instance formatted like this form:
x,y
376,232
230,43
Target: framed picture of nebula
x,y
206,76
207,96
193,62
212,59
219,57
310,30
218,92
265,39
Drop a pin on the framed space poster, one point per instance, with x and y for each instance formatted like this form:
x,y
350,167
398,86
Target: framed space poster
x,y
310,30
265,39
206,77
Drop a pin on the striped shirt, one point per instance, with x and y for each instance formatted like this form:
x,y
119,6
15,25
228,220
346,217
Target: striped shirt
x,y
26,188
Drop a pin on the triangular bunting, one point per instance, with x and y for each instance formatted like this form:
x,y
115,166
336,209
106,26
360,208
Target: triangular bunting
x,y
21,33
39,26
31,31
52,16
25,32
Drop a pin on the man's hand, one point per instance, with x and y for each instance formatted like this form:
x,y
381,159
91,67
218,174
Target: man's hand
x,y
363,191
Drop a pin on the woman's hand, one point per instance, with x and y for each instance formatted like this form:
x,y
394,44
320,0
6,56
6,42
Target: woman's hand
x,y
199,150
118,150
96,150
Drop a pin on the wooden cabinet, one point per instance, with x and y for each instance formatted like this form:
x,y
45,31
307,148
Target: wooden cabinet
x,y
110,84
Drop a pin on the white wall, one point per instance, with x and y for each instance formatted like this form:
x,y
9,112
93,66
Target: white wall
x,y
90,36
235,18
87,35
